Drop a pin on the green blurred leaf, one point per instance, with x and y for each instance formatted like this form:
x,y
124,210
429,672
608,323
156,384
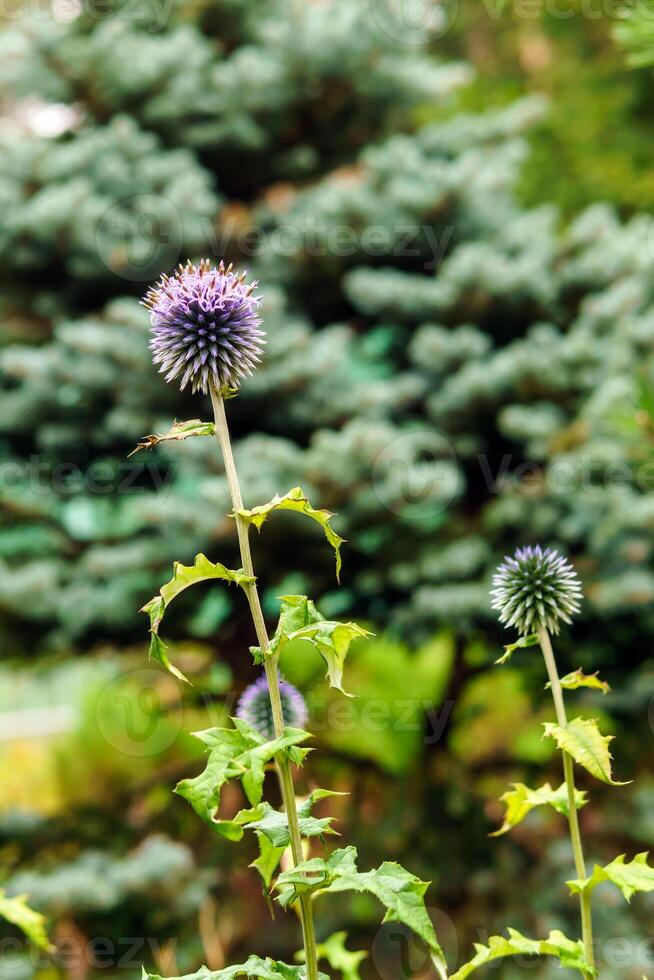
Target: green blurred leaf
x,y
582,739
300,620
236,753
269,857
274,823
184,576
631,877
520,800
33,924
400,892
400,706
179,431
525,641
570,954
577,679
339,956
295,500
254,968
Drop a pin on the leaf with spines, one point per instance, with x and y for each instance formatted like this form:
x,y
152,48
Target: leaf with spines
x,y
520,800
400,892
339,956
202,570
268,860
582,739
274,823
531,640
300,620
295,500
255,968
237,753
179,431
577,679
629,876
569,953
31,923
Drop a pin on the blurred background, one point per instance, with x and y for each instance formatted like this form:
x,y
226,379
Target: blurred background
x,y
447,206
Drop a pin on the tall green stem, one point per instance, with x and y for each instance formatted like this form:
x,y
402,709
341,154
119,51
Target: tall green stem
x,y
573,817
270,663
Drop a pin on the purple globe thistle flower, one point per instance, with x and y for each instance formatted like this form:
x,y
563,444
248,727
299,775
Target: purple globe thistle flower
x,y
535,589
254,707
205,326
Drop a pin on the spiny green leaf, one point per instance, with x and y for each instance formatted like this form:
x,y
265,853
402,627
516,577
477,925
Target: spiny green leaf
x,y
236,753
530,640
338,956
33,924
581,738
184,576
296,500
269,857
631,877
520,800
401,893
570,954
300,620
577,679
179,431
274,823
255,969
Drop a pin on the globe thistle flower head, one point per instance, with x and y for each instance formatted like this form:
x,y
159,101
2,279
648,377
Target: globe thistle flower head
x,y
536,589
206,329
254,707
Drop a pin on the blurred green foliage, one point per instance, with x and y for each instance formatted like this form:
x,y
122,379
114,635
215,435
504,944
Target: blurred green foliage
x,y
594,143
454,365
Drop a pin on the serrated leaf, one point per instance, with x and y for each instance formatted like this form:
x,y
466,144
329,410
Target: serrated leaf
x,y
31,923
577,679
339,956
179,431
274,823
630,877
295,500
569,953
400,892
530,640
255,968
202,570
300,620
235,753
520,800
268,861
582,739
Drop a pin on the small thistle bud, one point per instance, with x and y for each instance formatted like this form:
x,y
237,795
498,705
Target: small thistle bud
x,y
536,588
205,326
254,707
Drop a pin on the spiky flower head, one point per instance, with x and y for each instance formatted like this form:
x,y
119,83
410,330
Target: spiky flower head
x,y
254,707
536,588
206,328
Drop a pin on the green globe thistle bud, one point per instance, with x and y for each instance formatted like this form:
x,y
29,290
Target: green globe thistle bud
x,y
536,589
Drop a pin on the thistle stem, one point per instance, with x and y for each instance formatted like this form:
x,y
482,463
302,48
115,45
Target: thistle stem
x,y
270,664
573,817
